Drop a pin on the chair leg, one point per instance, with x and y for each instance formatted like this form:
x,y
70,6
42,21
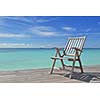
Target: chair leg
x,y
80,65
70,76
62,62
53,66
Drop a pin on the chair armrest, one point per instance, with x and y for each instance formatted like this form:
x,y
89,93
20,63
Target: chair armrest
x,y
77,49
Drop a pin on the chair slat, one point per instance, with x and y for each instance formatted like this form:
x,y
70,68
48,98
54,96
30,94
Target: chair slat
x,y
77,42
72,43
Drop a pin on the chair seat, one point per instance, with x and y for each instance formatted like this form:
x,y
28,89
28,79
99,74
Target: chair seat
x,y
58,58
70,55
64,58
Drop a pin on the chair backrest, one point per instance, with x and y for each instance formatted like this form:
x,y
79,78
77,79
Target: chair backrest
x,y
77,42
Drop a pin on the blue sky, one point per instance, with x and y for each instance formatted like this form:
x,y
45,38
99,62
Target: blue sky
x,y
47,31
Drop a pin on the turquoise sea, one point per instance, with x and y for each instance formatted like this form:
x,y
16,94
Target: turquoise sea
x,y
20,59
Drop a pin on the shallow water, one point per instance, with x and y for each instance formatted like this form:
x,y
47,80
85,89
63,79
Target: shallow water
x,y
19,59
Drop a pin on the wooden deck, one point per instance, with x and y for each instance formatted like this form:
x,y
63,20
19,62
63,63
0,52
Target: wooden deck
x,y
91,74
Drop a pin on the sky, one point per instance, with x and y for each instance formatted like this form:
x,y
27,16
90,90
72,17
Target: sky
x,y
47,31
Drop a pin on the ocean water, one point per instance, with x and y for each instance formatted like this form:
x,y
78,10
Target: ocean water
x,y
20,59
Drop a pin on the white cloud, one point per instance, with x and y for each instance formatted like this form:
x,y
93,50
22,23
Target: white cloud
x,y
34,19
47,33
12,35
68,28
20,18
44,30
88,30
15,45
40,20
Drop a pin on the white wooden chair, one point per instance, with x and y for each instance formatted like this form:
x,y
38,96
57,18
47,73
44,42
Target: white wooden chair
x,y
72,51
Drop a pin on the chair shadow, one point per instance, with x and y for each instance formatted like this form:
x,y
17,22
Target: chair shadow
x,y
92,77
89,77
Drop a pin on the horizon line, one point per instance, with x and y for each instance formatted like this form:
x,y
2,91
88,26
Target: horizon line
x,y
43,48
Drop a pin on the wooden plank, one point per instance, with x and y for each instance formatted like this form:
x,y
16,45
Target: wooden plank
x,y
70,50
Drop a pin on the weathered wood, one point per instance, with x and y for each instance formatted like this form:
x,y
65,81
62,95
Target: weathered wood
x,y
53,64
61,59
70,76
80,64
73,48
55,58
